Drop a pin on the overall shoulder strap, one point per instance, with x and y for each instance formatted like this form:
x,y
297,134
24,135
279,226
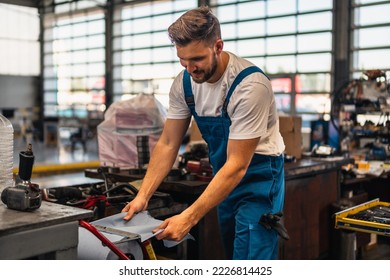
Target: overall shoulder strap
x,y
189,97
244,73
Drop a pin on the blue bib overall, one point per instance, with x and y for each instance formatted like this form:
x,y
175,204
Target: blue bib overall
x,y
261,190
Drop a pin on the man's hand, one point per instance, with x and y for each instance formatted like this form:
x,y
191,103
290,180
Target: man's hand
x,y
133,207
174,228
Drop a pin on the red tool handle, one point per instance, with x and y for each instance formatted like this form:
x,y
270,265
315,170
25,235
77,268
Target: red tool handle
x,y
104,239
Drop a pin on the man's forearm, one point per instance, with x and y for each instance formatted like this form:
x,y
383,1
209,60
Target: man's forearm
x,y
161,162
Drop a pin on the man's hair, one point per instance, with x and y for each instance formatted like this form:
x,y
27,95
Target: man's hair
x,y
195,25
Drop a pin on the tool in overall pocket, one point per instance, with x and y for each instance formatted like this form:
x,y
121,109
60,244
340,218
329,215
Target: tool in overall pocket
x,y
272,221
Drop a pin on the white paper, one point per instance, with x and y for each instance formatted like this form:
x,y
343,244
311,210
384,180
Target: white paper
x,y
141,223
90,247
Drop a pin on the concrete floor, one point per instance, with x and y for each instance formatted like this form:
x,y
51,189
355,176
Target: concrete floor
x,y
61,153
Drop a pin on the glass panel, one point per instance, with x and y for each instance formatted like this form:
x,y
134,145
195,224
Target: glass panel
x,y
66,71
126,72
62,32
96,41
49,85
79,43
312,82
283,102
62,45
96,27
230,46
48,72
126,28
229,31
126,57
310,5
97,55
372,59
47,47
250,47
78,84
372,37
143,40
162,54
160,38
162,71
126,42
251,28
315,42
162,22
185,4
117,43
141,10
141,86
281,45
141,72
162,85
281,7
368,1
222,1
118,87
281,85
19,46
96,69
322,62
140,56
280,64
163,7
312,103
372,14
50,97
77,57
281,25
77,71
142,25
79,29
64,84
313,22
254,9
226,13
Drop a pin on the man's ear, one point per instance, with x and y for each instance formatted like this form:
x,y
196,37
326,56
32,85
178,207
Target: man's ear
x,y
219,46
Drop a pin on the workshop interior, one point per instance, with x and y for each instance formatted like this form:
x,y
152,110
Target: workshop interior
x,y
84,98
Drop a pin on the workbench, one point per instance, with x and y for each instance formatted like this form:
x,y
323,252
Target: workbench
x,y
49,232
312,185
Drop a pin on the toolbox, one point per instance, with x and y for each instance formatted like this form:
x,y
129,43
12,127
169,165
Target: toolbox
x,y
371,217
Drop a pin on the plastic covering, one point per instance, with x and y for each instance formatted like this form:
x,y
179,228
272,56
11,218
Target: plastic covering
x,y
142,115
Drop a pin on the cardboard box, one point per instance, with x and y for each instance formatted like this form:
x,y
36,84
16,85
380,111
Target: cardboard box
x,y
290,128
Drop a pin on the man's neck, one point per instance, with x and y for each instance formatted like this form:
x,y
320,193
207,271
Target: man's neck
x,y
223,61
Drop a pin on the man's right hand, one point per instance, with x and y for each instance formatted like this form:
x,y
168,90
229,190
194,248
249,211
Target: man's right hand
x,y
133,207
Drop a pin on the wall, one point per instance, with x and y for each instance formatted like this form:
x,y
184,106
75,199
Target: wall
x,y
18,92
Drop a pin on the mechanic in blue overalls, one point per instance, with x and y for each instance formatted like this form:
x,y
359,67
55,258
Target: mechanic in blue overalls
x,y
233,105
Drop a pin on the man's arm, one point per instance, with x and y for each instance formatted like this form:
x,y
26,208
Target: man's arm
x,y
163,157
239,155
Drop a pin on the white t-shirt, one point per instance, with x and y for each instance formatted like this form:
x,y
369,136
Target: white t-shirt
x,y
251,108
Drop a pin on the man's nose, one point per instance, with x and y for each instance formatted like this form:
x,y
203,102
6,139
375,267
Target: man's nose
x,y
190,67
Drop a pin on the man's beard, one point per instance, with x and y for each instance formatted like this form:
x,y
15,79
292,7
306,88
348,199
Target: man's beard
x,y
206,74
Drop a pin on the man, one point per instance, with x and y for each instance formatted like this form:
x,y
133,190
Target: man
x,y
238,120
